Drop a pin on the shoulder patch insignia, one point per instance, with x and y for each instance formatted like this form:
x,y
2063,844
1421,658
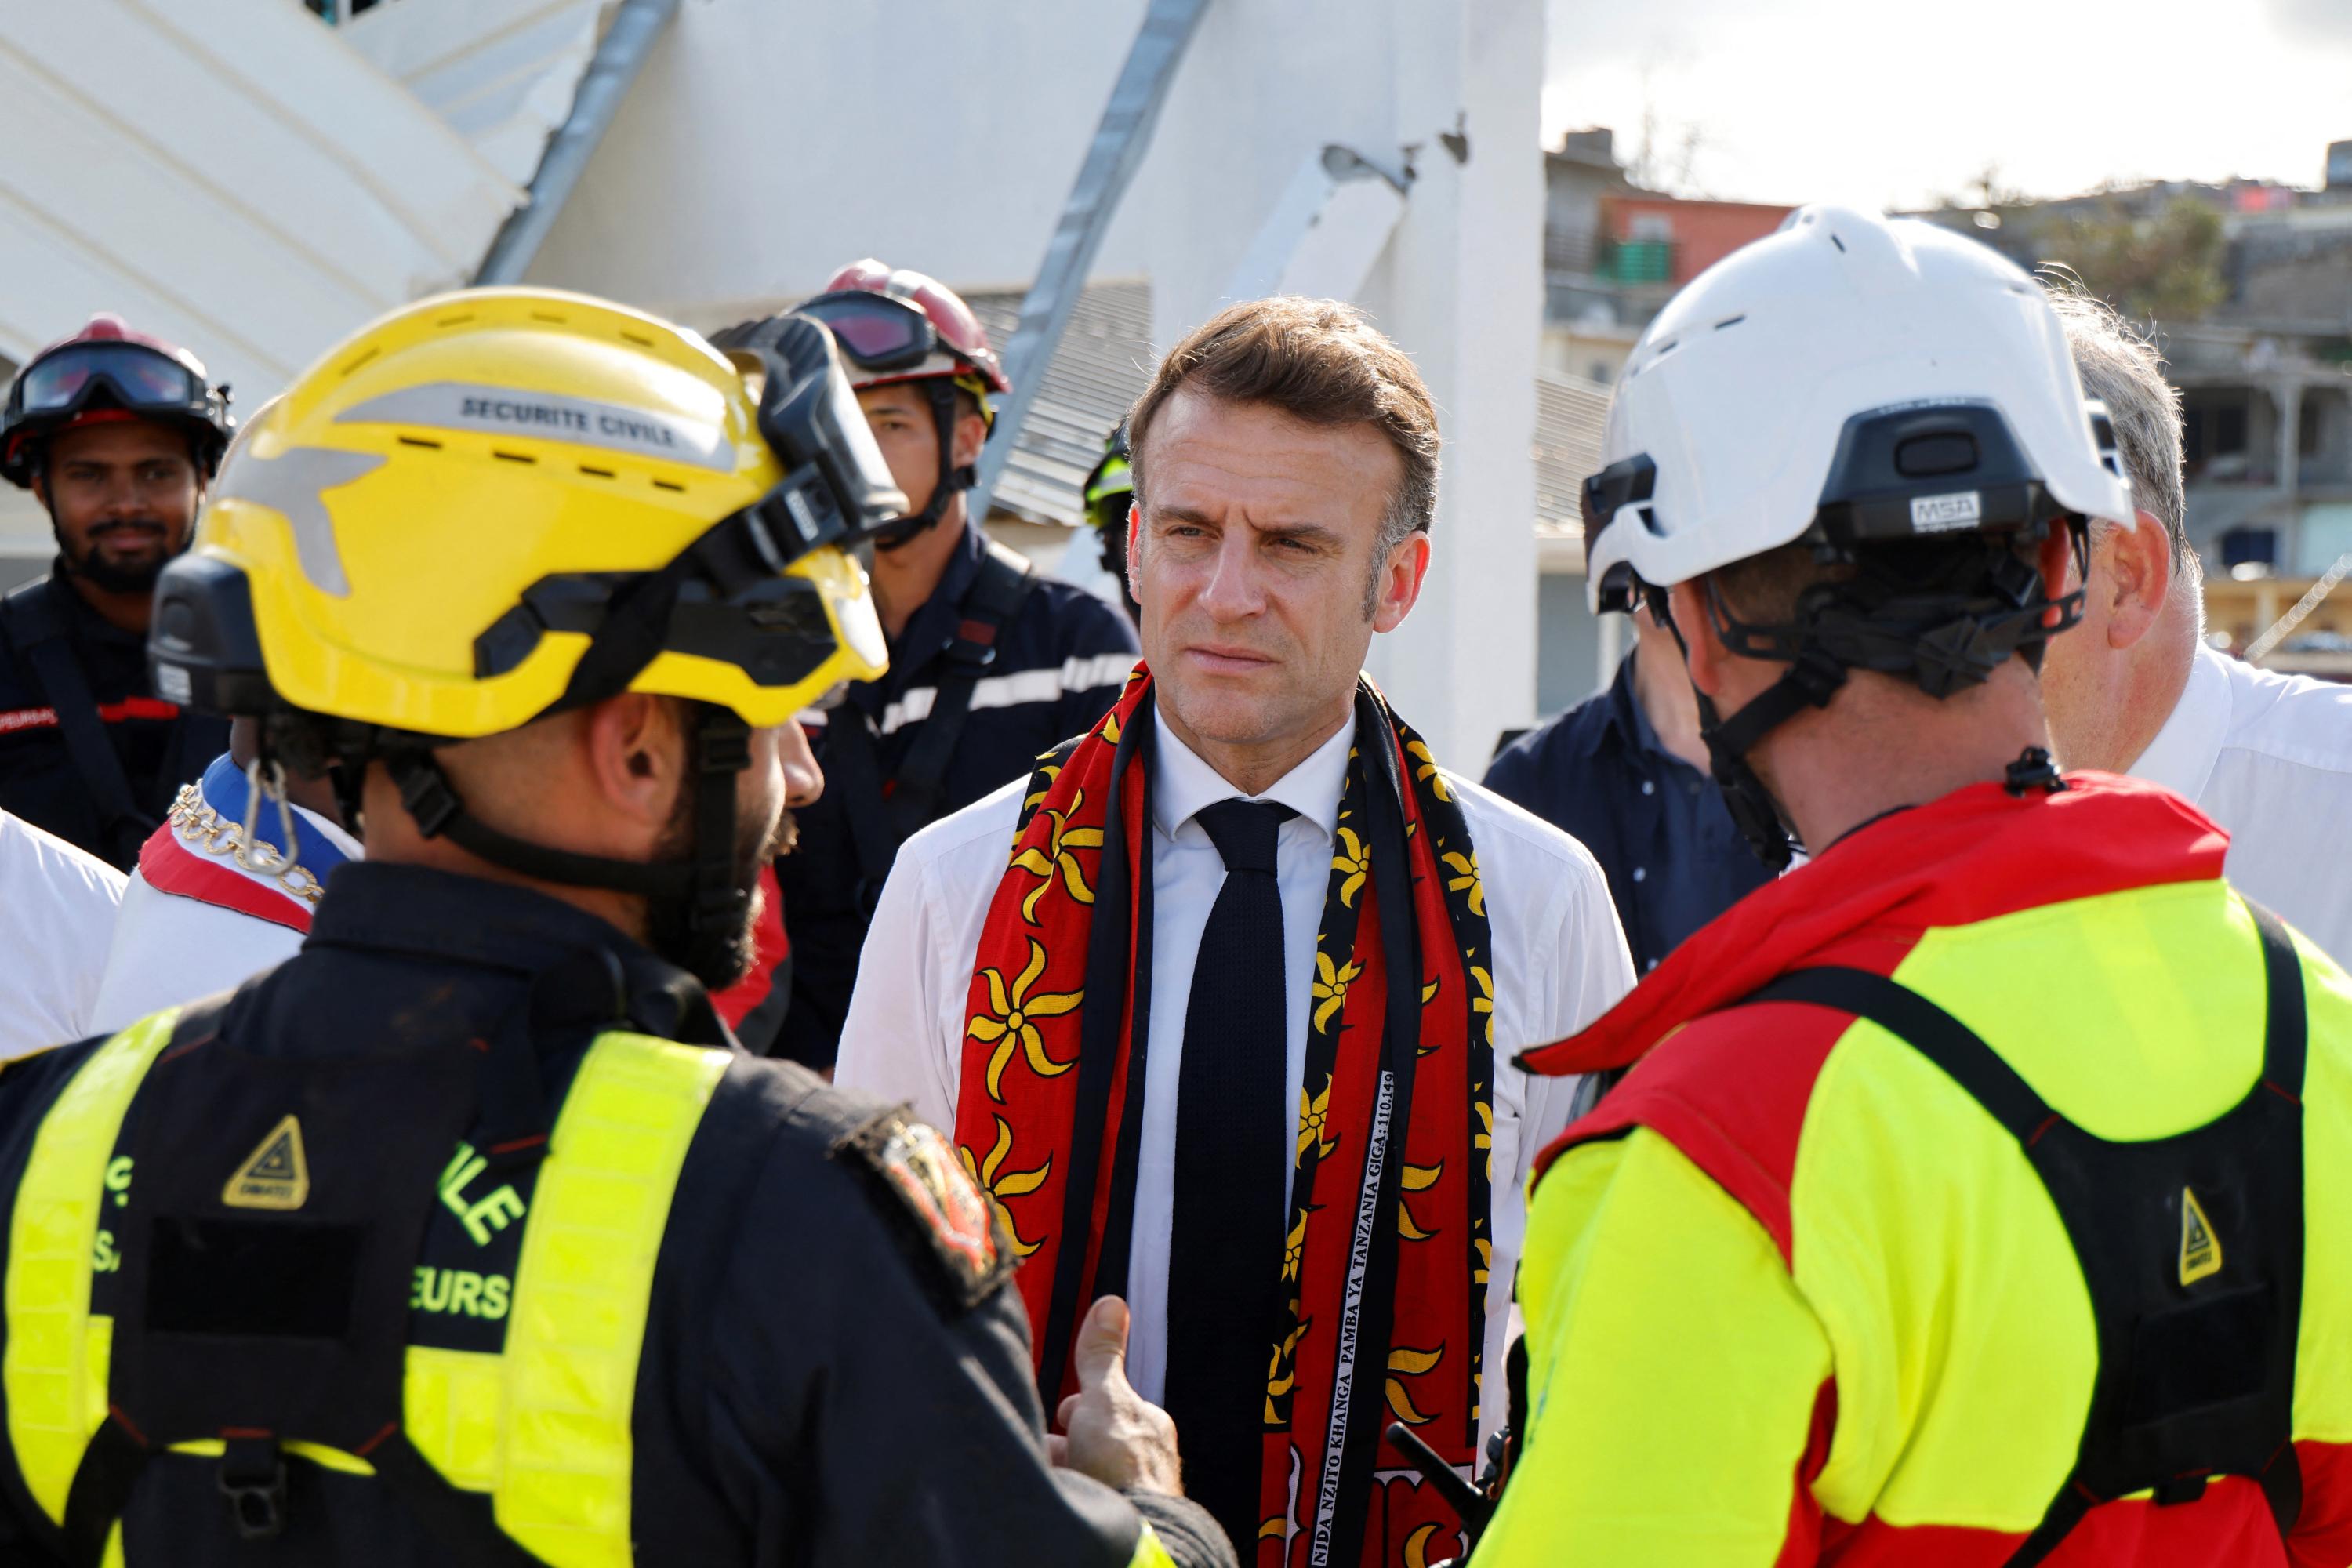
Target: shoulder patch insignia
x,y
947,1211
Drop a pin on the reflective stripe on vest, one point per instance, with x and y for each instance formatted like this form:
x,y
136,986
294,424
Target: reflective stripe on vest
x,y
543,1426
54,1374
1149,1552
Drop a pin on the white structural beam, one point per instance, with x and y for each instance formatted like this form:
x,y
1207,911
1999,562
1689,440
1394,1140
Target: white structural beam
x,y
235,178
502,72
1327,229
1461,287
1118,149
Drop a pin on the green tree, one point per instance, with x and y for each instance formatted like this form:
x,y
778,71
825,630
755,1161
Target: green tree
x,y
2165,266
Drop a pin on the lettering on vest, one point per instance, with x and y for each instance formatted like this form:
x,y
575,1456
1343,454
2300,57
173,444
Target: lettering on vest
x,y
276,1175
494,1212
454,1292
104,1259
2200,1249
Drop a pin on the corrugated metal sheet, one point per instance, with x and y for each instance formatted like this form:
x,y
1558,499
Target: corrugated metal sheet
x,y
1571,415
1102,364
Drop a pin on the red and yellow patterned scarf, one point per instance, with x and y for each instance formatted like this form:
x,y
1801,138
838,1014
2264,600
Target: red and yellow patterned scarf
x,y
1384,1272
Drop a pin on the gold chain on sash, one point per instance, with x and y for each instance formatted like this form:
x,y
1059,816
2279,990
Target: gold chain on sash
x,y
202,827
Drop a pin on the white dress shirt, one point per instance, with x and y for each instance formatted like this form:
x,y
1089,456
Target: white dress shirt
x,y
1559,960
58,906
2269,757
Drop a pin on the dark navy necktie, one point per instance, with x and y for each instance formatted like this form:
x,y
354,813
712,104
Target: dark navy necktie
x,y
1232,1123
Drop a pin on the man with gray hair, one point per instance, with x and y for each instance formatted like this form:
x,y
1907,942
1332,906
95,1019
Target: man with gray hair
x,y
2135,688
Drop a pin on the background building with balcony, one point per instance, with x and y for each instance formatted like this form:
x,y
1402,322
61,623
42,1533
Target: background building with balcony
x,y
2247,285
1613,254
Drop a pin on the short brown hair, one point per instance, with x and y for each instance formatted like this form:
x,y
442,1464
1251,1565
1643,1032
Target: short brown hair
x,y
1316,360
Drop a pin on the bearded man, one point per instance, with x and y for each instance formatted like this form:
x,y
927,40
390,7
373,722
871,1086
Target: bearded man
x,y
116,435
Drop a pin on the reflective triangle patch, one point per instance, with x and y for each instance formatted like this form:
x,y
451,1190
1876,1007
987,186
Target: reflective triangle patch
x,y
276,1175
2200,1249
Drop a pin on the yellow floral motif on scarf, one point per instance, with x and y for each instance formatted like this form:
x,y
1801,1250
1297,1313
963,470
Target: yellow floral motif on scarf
x,y
1466,879
1007,1020
1059,855
1282,1373
1417,1179
1001,1185
1425,769
1313,1114
1331,988
1043,780
1355,858
1405,1361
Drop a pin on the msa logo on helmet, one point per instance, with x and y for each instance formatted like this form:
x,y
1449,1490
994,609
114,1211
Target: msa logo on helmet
x,y
1943,515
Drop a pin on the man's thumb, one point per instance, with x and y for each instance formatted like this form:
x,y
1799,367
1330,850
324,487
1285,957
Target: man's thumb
x,y
1101,1348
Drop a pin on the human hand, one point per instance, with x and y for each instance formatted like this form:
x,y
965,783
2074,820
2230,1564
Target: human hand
x,y
1109,1431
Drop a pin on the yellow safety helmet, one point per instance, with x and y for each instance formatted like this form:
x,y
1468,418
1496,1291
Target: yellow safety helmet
x,y
497,505
428,531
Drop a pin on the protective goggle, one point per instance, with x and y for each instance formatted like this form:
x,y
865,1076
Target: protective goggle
x,y
880,333
1625,483
138,378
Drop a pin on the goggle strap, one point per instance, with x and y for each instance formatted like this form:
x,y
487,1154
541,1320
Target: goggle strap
x,y
734,556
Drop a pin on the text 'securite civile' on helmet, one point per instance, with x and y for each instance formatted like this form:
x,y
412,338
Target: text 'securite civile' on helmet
x,y
500,504
898,326
108,372
1885,391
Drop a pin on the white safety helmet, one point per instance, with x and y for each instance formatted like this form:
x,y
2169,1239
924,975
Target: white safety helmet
x,y
1853,378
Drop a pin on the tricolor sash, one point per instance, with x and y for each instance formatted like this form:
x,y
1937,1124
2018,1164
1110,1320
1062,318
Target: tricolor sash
x,y
1384,1270
200,852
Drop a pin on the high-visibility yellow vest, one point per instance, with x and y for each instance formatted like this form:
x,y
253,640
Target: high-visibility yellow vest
x,y
543,1427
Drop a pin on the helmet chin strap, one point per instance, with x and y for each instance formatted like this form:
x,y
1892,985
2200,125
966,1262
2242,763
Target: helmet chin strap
x,y
954,478
1811,682
717,903
1944,637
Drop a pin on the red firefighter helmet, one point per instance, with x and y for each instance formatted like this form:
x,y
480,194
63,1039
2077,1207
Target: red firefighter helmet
x,y
896,325
108,372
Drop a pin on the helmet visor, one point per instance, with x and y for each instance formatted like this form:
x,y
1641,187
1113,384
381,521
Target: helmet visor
x,y
878,333
138,378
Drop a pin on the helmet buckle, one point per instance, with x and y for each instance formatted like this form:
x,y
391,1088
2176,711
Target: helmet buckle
x,y
252,1479
2034,769
425,794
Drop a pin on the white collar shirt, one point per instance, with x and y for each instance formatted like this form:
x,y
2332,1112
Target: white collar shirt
x,y
1559,961
58,907
2269,758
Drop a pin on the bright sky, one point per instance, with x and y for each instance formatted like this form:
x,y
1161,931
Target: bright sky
x,y
1893,102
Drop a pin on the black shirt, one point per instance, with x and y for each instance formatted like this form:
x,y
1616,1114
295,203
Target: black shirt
x,y
1059,666
806,1393
160,746
1674,859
